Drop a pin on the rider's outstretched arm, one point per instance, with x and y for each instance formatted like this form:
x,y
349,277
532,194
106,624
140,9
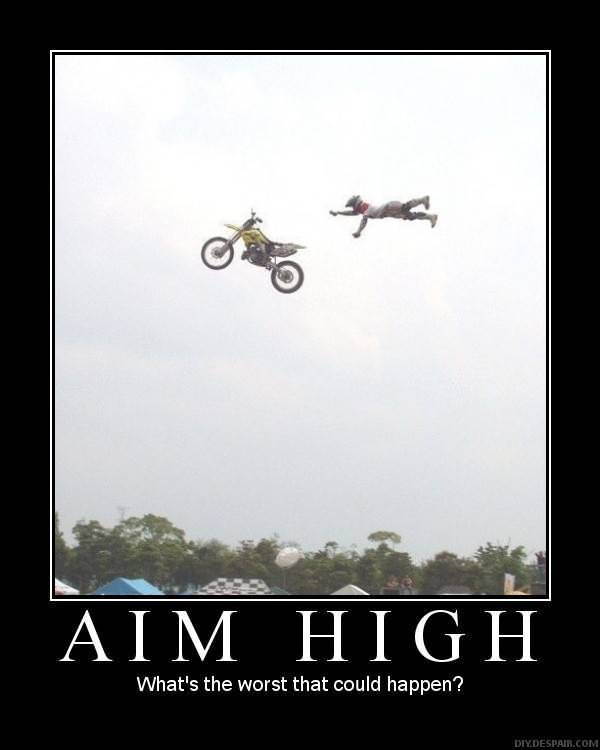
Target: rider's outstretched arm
x,y
343,213
363,224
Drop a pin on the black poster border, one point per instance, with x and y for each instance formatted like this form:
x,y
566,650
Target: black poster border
x,y
266,636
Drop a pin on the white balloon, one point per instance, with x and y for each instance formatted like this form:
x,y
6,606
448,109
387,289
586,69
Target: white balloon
x,y
287,557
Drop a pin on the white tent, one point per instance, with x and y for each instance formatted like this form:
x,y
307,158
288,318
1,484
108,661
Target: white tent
x,y
350,590
63,589
235,586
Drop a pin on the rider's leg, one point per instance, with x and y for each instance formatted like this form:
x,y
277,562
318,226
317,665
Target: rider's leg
x,y
411,216
398,210
418,202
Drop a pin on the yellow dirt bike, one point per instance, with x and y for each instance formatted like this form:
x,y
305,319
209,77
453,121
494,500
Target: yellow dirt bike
x,y
286,276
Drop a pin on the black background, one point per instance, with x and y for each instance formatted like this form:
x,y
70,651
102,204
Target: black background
x,y
553,697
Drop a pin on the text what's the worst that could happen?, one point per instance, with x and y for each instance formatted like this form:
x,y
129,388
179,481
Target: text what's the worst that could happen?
x,y
298,684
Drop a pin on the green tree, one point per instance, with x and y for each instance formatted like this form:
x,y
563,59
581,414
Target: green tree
x,y
92,561
447,569
211,559
156,550
377,565
151,547
255,560
322,572
61,550
385,536
495,560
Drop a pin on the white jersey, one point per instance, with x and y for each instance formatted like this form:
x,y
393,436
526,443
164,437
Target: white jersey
x,y
374,212
395,209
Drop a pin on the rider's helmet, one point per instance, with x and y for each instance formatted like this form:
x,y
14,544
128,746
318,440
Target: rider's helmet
x,y
353,202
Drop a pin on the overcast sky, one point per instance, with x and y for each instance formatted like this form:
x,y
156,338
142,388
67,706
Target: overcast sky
x,y
403,386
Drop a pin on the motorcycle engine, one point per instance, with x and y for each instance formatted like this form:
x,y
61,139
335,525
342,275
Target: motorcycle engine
x,y
256,255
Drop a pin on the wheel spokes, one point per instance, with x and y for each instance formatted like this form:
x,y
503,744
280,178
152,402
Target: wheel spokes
x,y
219,253
285,276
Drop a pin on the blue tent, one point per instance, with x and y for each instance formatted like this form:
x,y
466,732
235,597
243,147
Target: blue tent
x,y
127,587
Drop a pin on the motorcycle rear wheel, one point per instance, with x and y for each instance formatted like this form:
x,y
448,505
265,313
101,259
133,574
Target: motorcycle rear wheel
x,y
288,277
210,253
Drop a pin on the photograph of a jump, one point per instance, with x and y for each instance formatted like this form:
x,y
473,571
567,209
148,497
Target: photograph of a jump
x,y
229,388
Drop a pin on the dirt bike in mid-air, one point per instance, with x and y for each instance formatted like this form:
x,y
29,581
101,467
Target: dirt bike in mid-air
x,y
286,276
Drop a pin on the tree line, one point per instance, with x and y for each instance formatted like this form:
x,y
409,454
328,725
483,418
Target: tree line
x,y
151,547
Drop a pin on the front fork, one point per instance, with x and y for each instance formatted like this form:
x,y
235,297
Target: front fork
x,y
229,244
283,274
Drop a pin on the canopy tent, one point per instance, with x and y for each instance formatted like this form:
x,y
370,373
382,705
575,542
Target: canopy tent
x,y
128,587
235,587
350,590
63,589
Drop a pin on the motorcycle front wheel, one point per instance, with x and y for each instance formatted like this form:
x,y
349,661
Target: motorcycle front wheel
x,y
288,277
216,253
